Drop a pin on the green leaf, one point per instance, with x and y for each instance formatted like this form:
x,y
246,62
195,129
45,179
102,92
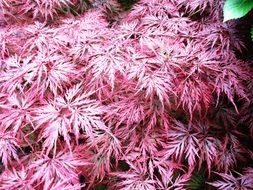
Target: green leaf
x,y
251,32
102,187
234,9
197,181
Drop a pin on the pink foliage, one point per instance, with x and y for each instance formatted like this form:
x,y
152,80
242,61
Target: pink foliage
x,y
243,181
137,99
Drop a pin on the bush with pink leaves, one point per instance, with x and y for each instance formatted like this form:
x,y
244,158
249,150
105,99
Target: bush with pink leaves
x,y
98,94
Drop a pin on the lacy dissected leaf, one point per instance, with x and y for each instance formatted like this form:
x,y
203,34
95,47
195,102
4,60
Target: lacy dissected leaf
x,y
70,113
16,179
16,112
229,181
182,144
61,168
135,179
44,9
8,146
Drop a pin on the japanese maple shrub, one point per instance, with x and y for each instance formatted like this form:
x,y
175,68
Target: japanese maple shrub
x,y
107,94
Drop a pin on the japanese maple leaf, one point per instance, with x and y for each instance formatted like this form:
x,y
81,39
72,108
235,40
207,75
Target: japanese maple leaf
x,y
70,113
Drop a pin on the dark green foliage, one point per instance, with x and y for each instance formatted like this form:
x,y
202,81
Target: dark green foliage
x,y
102,187
251,32
127,4
198,181
76,9
123,165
